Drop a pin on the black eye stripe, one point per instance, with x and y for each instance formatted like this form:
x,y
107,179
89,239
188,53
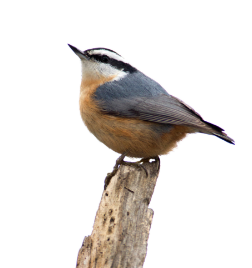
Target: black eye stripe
x,y
120,65
101,58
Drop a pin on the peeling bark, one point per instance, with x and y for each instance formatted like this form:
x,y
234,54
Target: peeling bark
x,y
123,220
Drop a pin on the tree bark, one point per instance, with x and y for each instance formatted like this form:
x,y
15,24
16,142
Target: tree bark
x,y
123,220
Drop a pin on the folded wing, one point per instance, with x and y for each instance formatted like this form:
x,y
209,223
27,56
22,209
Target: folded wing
x,y
150,102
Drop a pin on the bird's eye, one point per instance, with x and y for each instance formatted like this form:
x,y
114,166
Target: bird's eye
x,y
105,59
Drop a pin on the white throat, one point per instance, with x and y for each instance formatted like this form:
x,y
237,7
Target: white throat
x,y
95,70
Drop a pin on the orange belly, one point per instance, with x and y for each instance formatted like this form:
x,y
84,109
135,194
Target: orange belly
x,y
137,138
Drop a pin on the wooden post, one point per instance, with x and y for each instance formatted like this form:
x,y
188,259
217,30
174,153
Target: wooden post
x,y
123,220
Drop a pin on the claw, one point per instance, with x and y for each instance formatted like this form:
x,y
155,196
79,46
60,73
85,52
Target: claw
x,y
120,161
115,168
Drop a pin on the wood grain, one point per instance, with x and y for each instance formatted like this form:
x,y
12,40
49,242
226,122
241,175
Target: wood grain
x,y
123,220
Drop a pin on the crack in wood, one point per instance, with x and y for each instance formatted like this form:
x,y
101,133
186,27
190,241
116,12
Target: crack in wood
x,y
129,190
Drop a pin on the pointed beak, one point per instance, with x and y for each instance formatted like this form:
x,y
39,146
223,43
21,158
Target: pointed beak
x,y
78,52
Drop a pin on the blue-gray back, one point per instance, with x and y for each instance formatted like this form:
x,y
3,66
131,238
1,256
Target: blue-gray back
x,y
132,85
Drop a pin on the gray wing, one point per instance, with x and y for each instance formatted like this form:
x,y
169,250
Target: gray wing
x,y
164,109
138,96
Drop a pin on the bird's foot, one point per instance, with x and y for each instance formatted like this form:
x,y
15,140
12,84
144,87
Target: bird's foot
x,y
120,161
109,176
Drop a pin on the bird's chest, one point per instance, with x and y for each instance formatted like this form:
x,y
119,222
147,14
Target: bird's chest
x,y
89,111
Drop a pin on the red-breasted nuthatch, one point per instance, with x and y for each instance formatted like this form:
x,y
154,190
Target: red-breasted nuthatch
x,y
131,113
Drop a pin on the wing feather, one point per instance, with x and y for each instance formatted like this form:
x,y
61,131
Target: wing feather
x,y
142,98
163,109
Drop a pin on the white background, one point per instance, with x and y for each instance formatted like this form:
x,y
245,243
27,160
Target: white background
x,y
53,169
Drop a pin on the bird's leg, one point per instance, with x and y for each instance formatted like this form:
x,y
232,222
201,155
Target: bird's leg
x,y
120,161
109,176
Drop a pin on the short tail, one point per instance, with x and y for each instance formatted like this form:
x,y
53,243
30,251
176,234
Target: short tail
x,y
219,132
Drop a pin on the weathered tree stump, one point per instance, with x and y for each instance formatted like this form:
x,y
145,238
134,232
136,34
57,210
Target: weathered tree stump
x,y
123,220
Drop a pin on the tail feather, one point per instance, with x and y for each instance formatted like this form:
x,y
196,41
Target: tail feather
x,y
214,126
218,132
224,137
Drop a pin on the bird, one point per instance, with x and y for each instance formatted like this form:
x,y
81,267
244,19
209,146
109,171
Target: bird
x,y
131,113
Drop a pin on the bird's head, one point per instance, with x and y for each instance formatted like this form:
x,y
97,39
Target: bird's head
x,y
100,63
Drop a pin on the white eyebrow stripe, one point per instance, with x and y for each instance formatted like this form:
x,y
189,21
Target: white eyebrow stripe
x,y
108,53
